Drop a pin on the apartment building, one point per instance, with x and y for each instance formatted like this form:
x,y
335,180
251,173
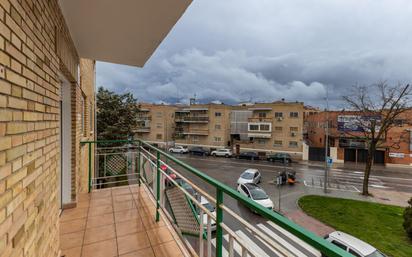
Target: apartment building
x,y
268,127
156,123
47,103
346,145
204,125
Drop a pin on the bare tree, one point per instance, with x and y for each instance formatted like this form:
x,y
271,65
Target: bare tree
x,y
377,109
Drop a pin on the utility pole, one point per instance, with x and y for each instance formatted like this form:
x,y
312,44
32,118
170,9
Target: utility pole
x,y
325,182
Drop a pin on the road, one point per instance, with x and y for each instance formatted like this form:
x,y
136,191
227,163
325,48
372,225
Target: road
x,y
308,176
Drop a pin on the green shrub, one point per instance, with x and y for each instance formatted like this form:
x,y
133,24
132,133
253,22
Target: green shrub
x,y
407,219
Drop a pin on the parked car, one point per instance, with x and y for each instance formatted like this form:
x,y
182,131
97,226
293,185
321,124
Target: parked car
x,y
222,152
279,157
250,176
199,151
255,193
178,149
248,156
171,174
212,209
353,245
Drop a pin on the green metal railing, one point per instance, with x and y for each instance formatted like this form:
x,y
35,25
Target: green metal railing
x,y
222,190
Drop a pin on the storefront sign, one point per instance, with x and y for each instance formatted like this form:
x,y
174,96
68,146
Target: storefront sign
x,y
397,155
357,123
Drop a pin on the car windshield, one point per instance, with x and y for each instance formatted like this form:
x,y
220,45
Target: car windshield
x,y
209,207
258,194
247,175
376,254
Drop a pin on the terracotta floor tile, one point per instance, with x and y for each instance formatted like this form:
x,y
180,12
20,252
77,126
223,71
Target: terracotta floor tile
x,y
126,205
169,249
98,234
72,226
84,204
98,194
147,252
74,213
97,221
100,210
120,190
84,197
129,227
126,215
72,252
133,242
71,240
106,248
159,235
100,201
122,198
149,222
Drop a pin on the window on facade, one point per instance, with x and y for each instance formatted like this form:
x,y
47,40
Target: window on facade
x,y
195,139
293,144
294,129
278,114
217,126
261,141
218,114
262,114
278,129
159,136
159,114
294,114
264,127
277,143
218,139
158,125
253,127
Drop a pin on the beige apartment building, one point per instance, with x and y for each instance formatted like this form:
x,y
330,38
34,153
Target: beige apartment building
x,y
205,125
47,106
156,123
268,127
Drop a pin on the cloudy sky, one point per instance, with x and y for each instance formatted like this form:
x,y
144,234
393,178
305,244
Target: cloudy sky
x,y
265,50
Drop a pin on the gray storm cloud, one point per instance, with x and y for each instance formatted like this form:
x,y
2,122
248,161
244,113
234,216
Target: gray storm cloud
x,y
265,50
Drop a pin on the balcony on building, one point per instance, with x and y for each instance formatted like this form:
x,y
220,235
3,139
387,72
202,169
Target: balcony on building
x,y
197,132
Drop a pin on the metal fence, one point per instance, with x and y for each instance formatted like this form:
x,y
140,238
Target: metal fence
x,y
180,199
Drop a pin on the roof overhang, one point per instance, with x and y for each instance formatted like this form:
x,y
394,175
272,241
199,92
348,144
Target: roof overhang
x,y
123,32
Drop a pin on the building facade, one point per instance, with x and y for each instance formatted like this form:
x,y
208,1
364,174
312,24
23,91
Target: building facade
x,y
47,104
346,143
268,127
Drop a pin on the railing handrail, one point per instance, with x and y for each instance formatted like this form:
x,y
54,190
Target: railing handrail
x,y
309,237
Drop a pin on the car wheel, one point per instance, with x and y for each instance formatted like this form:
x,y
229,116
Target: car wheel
x,y
214,155
227,156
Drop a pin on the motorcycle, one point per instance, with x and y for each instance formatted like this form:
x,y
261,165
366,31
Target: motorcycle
x,y
288,177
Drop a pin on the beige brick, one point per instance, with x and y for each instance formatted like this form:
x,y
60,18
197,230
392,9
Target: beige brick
x,y
6,115
16,66
16,177
5,170
4,59
17,164
30,116
3,101
29,95
15,152
16,91
5,198
17,116
5,143
2,158
2,129
5,87
15,78
16,128
17,103
5,31
16,140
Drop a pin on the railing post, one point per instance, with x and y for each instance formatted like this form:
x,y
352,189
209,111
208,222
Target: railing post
x,y
219,220
157,185
138,163
90,167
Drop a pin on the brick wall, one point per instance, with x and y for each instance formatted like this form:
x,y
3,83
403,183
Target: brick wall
x,y
35,47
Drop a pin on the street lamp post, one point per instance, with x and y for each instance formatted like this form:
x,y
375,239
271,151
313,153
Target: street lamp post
x,y
325,184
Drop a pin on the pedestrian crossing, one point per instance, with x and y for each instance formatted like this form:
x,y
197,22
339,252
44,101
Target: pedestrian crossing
x,y
256,246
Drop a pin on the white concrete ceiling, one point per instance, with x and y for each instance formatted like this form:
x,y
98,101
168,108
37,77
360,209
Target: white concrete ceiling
x,y
120,31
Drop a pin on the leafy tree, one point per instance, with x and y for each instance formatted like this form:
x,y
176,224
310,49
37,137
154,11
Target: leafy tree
x,y
407,217
116,115
377,107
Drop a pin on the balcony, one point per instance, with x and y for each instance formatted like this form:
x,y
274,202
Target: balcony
x,y
145,129
148,203
144,117
260,119
259,135
198,132
196,119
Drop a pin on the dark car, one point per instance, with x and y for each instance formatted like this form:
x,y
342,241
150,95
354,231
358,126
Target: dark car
x,y
199,151
279,157
248,156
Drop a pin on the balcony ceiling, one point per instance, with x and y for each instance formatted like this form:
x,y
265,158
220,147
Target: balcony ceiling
x,y
124,32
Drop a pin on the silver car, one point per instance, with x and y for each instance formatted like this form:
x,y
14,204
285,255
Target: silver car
x,y
250,176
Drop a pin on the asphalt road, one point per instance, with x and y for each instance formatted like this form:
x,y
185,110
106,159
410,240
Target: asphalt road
x,y
308,176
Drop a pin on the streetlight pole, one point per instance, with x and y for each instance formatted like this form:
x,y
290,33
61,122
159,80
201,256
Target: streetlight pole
x,y
325,186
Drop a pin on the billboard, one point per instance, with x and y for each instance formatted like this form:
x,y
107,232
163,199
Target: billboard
x,y
357,123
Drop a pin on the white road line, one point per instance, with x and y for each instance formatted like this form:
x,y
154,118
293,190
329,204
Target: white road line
x,y
281,241
251,245
224,251
303,244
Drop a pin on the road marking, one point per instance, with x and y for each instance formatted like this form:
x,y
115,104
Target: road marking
x,y
303,244
378,186
251,245
281,241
